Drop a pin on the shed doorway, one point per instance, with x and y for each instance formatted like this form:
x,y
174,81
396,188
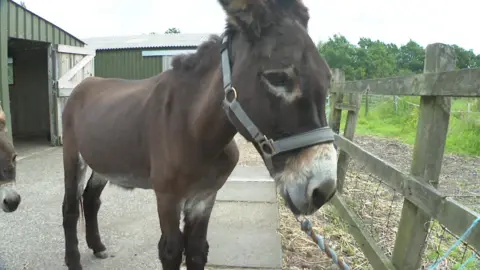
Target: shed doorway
x,y
29,79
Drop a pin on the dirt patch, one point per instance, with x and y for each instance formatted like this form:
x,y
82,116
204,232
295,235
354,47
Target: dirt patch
x,y
378,206
460,174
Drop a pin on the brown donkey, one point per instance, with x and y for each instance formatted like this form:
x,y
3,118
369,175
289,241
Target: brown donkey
x,y
173,132
9,198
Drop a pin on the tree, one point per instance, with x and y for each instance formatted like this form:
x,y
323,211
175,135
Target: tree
x,y
466,59
340,53
172,31
370,59
476,62
378,59
411,58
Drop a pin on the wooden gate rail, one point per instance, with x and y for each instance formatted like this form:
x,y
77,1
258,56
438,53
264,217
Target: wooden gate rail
x,y
422,201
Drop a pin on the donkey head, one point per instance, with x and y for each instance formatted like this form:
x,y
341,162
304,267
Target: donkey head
x,y
9,199
7,153
281,82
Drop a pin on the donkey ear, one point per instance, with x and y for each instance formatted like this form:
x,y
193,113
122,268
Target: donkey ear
x,y
249,16
296,8
3,121
286,3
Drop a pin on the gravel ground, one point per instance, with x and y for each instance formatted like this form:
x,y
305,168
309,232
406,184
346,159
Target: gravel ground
x,y
460,178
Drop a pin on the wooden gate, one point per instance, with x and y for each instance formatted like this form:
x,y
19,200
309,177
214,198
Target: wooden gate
x,y
68,65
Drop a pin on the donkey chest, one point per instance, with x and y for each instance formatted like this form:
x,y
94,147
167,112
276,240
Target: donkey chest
x,y
128,181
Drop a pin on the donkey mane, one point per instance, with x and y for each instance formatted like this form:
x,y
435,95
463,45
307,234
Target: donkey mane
x,y
206,56
200,61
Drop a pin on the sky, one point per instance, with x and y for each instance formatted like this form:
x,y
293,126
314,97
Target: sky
x,y
392,21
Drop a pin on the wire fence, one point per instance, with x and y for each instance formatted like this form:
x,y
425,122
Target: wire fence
x,y
469,109
379,206
462,108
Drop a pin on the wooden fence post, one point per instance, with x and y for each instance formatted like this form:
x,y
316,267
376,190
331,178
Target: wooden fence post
x,y
336,97
355,101
353,107
427,160
366,103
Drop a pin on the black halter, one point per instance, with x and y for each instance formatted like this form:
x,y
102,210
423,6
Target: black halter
x,y
267,146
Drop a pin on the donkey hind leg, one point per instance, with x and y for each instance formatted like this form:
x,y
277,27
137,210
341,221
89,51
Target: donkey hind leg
x,y
170,246
91,205
198,208
74,169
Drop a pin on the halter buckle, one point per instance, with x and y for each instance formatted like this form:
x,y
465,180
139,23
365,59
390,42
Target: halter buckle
x,y
266,145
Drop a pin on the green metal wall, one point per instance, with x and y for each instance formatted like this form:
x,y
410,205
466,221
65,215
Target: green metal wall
x,y
4,93
126,64
24,24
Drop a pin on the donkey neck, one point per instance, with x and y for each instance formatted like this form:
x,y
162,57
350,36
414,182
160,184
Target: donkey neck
x,y
209,123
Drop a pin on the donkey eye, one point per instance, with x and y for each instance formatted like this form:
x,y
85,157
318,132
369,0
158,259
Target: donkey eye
x,y
278,79
282,83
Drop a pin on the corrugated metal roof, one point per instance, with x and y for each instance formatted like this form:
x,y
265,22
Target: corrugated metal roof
x,y
25,24
147,41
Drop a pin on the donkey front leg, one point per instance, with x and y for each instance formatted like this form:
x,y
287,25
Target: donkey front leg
x,y
170,246
199,207
197,216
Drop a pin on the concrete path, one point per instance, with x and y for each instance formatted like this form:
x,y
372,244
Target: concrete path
x,y
242,232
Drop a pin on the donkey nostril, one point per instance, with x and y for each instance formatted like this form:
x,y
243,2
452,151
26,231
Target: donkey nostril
x,y
319,197
7,171
7,203
11,204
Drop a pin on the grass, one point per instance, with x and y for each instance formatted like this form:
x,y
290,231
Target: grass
x,y
382,120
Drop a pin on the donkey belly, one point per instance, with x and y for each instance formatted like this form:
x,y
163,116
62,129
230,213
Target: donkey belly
x,y
112,143
122,178
128,171
128,181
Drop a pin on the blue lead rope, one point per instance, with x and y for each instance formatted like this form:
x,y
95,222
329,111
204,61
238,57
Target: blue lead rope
x,y
458,242
306,226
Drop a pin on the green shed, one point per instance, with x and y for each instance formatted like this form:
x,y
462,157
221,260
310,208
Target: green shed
x,y
40,63
140,56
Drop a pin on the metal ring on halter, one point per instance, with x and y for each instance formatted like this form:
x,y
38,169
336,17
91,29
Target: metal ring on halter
x,y
270,150
229,90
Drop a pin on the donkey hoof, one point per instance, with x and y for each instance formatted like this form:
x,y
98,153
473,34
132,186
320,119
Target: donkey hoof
x,y
101,254
70,266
